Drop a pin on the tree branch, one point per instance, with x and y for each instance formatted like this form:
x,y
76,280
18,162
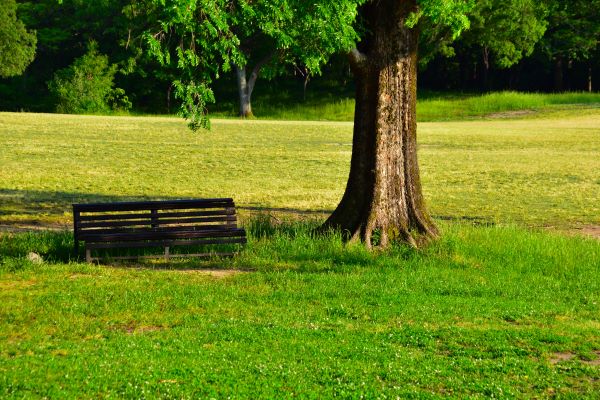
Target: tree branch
x,y
358,60
256,71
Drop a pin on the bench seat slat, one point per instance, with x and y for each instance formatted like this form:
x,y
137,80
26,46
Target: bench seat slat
x,y
111,217
155,221
170,256
147,229
153,205
162,243
118,237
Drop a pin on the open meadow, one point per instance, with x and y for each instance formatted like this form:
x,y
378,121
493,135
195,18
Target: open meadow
x,y
505,305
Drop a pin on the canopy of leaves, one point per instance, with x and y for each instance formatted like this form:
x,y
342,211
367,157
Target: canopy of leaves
x,y
17,45
507,30
574,29
204,38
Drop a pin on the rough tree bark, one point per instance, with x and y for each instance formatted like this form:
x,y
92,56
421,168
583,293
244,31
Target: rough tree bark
x,y
383,199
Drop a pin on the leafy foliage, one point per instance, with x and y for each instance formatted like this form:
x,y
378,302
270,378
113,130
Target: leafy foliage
x,y
503,32
205,38
17,45
509,30
87,86
574,28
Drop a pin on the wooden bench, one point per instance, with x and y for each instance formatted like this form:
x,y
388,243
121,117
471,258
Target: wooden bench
x,y
163,224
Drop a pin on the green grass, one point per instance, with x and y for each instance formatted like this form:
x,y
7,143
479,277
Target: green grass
x,y
497,308
534,172
431,107
484,312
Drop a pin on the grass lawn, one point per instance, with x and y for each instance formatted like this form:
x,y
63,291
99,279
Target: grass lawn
x,y
485,312
496,308
533,171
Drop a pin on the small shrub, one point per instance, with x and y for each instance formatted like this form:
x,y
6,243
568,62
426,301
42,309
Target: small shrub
x,y
117,100
86,86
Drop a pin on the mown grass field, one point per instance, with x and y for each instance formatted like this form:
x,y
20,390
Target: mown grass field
x,y
534,172
499,307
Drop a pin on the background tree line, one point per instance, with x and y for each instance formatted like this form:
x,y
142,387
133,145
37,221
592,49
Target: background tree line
x,y
91,56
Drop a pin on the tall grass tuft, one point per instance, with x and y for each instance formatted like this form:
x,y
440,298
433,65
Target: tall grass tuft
x,y
430,107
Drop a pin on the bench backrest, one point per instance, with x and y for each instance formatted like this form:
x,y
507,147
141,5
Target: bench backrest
x,y
153,216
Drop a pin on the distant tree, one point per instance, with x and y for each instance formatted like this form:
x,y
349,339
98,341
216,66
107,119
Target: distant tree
x,y
573,34
17,45
252,38
64,28
502,33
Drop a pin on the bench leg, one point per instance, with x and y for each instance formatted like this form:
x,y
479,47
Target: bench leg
x,y
88,256
167,254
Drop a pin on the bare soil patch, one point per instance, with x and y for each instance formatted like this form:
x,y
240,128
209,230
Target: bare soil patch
x,y
6,285
592,230
560,357
217,273
595,361
511,114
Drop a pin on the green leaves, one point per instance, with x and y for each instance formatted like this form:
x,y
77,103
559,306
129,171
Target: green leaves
x,y
447,13
574,29
194,98
17,45
203,38
87,86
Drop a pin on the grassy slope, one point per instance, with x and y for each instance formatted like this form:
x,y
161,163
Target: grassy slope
x,y
431,107
538,172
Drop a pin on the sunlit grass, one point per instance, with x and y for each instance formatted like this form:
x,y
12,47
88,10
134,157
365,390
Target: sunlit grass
x,y
430,108
483,312
493,309
536,172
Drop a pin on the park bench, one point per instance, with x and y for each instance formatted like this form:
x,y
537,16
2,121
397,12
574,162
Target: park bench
x,y
158,224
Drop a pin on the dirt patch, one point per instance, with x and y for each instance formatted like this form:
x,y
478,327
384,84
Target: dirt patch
x,y
214,272
592,230
217,273
145,329
132,328
5,285
594,362
511,114
78,276
29,227
560,357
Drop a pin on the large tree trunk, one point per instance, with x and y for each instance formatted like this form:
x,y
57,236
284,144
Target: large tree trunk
x,y
383,199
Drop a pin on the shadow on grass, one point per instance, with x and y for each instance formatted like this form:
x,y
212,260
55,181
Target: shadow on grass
x,y
36,202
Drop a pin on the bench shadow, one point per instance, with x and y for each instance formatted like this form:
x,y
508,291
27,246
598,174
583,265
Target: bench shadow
x,y
56,203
